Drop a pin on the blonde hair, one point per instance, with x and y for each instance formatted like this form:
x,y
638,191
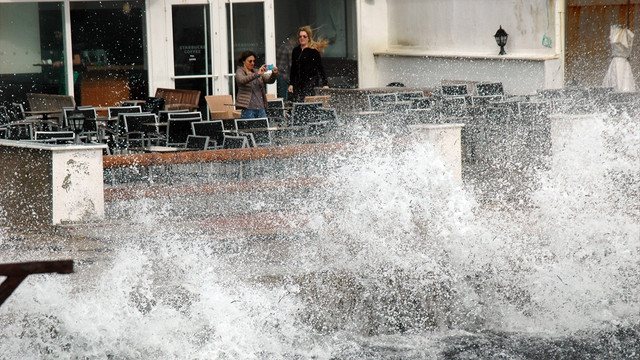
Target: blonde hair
x,y
318,44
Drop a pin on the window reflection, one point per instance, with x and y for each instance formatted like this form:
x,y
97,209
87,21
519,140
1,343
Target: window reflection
x,y
248,32
110,39
108,46
32,50
334,20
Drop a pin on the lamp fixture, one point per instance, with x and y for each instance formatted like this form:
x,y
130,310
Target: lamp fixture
x,y
76,123
501,39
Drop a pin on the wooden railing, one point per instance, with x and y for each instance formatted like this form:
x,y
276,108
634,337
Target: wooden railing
x,y
17,272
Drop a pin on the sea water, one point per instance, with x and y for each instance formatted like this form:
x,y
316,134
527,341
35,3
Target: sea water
x,y
388,258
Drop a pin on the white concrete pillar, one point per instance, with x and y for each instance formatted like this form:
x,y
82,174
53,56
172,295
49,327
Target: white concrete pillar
x,y
446,140
47,184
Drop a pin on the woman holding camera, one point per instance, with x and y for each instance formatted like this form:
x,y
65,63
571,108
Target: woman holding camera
x,y
307,72
252,92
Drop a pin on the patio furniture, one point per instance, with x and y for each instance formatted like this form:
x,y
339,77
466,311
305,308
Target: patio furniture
x,y
179,127
221,107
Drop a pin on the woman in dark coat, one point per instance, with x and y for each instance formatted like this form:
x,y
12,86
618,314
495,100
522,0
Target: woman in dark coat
x,y
307,72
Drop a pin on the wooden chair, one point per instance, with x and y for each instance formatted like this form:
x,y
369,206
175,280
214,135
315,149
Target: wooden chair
x,y
49,102
324,99
221,107
45,102
175,99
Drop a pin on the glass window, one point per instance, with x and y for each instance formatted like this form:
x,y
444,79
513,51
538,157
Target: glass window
x,y
191,52
31,50
248,34
192,56
333,20
109,46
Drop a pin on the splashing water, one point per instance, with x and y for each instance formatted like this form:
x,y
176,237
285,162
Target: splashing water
x,y
389,257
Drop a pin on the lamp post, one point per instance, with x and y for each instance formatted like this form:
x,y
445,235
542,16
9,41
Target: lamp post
x,y
501,39
76,122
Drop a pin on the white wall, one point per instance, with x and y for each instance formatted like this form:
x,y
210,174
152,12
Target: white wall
x,y
469,25
19,38
372,37
433,40
160,49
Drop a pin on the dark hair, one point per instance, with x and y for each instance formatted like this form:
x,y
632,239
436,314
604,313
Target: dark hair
x,y
245,54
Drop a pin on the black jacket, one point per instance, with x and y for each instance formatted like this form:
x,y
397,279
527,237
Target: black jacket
x,y
306,72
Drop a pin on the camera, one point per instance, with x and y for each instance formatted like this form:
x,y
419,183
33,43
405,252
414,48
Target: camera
x,y
269,67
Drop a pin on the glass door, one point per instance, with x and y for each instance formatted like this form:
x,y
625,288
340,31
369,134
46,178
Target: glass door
x,y
192,55
207,37
245,31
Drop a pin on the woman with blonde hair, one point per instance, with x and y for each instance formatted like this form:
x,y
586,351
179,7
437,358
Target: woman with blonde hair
x,y
307,72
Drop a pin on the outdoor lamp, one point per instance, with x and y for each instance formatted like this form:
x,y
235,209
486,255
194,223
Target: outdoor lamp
x,y
501,39
76,122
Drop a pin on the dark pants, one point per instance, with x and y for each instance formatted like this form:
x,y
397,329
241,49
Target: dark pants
x,y
283,88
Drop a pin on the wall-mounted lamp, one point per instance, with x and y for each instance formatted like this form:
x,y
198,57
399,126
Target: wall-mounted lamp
x,y
501,39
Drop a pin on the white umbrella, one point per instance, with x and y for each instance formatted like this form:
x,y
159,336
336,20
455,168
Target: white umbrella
x,y
619,75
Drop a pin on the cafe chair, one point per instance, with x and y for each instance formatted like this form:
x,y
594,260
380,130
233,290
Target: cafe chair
x,y
179,127
304,113
5,116
49,102
89,127
377,102
324,99
214,129
163,115
485,100
423,103
235,142
454,90
324,121
221,107
115,127
89,112
126,103
54,137
397,107
16,112
409,95
195,142
454,106
259,128
140,130
490,89
114,111
275,111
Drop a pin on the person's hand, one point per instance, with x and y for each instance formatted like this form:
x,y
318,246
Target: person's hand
x,y
275,70
57,64
291,88
325,87
262,69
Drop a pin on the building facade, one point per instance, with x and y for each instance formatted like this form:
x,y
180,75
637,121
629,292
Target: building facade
x,y
118,50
